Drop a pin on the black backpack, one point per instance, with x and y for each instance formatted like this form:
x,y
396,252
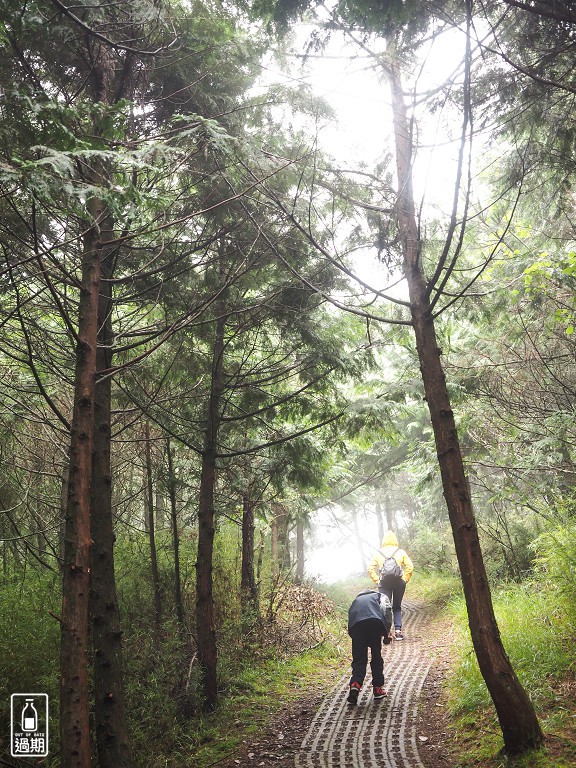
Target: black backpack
x,y
390,567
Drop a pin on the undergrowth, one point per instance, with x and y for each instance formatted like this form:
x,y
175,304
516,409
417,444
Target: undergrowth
x,y
537,629
259,678
29,642
294,649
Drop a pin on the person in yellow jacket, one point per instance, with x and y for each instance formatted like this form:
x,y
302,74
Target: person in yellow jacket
x,y
391,570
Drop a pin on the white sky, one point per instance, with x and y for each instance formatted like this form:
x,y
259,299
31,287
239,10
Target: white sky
x,y
345,78
333,553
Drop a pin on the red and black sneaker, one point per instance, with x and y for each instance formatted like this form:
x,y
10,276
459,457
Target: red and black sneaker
x,y
354,693
379,692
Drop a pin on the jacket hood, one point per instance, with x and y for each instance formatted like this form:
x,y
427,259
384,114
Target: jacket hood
x,y
390,539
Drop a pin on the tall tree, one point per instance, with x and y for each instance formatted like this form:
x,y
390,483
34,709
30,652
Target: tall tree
x,y
79,127
518,721
399,26
207,648
74,694
114,748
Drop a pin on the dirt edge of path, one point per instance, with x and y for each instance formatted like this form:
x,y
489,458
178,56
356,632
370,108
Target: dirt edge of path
x,y
438,745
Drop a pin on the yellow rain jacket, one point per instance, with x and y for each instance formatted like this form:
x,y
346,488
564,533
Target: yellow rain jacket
x,y
389,544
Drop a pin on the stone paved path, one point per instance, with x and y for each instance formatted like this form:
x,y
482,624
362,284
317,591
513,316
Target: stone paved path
x,y
374,734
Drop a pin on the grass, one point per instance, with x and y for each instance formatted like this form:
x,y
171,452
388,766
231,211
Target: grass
x,y
256,693
544,661
435,589
538,635
254,686
255,696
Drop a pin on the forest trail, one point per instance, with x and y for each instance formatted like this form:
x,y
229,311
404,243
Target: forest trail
x,y
376,733
406,729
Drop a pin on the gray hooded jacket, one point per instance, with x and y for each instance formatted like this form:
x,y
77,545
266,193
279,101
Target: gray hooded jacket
x,y
370,604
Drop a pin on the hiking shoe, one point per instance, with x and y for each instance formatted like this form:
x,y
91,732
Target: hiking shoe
x,y
379,692
398,635
354,693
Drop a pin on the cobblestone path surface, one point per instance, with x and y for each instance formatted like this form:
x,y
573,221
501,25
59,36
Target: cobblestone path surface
x,y
374,734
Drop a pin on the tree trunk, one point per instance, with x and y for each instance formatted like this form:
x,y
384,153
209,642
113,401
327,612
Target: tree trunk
x,y
248,591
207,652
74,721
300,556
520,727
274,544
360,542
113,744
175,543
152,533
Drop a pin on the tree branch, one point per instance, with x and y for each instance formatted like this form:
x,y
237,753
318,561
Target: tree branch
x,y
99,36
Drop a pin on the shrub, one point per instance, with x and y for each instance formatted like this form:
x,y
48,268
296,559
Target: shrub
x,y
30,641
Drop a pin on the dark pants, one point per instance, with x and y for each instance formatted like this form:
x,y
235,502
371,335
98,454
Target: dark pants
x,y
394,587
367,634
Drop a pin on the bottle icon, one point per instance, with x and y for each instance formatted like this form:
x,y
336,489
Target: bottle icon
x,y
29,716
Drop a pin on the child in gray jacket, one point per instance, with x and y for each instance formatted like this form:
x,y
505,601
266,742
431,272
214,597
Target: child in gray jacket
x,y
369,620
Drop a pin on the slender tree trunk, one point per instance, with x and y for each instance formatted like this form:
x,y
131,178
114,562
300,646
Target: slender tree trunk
x,y
114,749
248,592
274,547
74,720
520,727
152,532
360,543
207,652
175,543
300,556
